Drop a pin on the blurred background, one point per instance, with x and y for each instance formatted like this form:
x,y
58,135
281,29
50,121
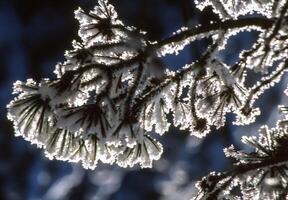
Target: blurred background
x,y
33,37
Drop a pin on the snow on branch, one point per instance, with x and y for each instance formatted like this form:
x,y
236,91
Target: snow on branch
x,y
260,174
114,91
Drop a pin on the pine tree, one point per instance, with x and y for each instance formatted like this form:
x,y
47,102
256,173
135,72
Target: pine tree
x,y
114,90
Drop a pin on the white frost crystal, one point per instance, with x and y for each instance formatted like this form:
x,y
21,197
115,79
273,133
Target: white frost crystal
x,y
100,24
114,90
235,8
80,116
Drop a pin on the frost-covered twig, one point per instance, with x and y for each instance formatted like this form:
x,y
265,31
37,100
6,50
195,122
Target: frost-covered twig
x,y
261,174
249,23
113,90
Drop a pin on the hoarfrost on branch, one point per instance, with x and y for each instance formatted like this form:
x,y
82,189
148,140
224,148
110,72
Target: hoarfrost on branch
x,y
113,91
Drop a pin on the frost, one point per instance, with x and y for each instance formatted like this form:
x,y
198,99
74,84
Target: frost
x,y
113,91
30,113
220,94
236,8
144,152
176,47
246,116
100,24
260,174
155,114
182,115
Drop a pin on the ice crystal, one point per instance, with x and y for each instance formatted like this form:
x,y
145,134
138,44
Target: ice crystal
x,y
114,90
261,174
235,8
